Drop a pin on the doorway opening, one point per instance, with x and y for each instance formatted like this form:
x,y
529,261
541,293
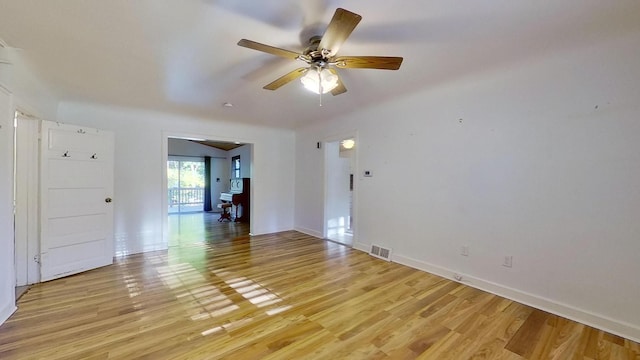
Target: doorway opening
x,y
26,199
339,190
201,198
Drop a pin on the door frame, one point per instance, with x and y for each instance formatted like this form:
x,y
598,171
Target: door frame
x,y
337,138
27,215
33,242
165,157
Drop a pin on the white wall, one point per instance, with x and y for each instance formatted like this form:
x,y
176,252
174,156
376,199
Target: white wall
x,y
538,160
139,165
29,93
26,92
310,182
182,147
245,160
220,180
7,275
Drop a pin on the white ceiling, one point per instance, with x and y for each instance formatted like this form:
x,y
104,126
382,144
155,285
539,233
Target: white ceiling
x,y
181,56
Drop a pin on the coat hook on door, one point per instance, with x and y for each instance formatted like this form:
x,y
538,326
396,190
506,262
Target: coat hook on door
x,y
94,156
66,154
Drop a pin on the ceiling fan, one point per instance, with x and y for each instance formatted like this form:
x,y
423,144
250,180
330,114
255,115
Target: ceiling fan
x,y
321,75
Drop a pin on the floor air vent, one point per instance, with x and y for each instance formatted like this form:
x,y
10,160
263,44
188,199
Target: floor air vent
x,y
380,252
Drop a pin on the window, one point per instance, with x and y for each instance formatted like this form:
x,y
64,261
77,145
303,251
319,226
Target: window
x,y
185,180
235,164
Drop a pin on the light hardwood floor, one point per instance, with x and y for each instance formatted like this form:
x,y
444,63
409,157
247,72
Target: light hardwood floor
x,y
282,296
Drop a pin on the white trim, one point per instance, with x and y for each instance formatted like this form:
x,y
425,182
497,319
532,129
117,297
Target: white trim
x,y
166,134
5,89
185,158
4,53
7,293
361,246
164,197
309,232
260,231
613,326
7,311
137,243
27,237
4,56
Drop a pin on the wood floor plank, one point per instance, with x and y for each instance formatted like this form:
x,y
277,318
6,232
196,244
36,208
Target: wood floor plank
x,y
526,338
442,348
218,293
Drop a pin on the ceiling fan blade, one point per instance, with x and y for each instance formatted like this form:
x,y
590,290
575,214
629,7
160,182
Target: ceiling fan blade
x,y
283,80
268,49
339,29
340,89
368,62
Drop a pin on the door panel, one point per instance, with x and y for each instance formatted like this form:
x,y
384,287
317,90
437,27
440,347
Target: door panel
x,y
85,173
76,202
76,178
77,229
84,256
87,140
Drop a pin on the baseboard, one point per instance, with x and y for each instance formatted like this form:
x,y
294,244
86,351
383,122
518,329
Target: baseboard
x,y
142,242
616,327
362,247
6,312
309,232
265,231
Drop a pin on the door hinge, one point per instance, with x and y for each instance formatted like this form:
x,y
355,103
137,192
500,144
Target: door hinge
x,y
36,258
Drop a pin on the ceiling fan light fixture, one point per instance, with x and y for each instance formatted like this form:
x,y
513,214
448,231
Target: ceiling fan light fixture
x,y
348,144
319,80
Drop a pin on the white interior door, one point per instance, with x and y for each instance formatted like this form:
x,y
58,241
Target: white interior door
x,y
76,187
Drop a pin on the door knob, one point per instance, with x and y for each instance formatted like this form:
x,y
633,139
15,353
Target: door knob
x,y
107,200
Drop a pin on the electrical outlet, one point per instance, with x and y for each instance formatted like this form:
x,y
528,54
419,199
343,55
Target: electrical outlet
x,y
464,250
508,261
458,277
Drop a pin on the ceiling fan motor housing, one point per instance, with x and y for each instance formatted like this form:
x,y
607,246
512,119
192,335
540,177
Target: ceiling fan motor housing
x,y
316,55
